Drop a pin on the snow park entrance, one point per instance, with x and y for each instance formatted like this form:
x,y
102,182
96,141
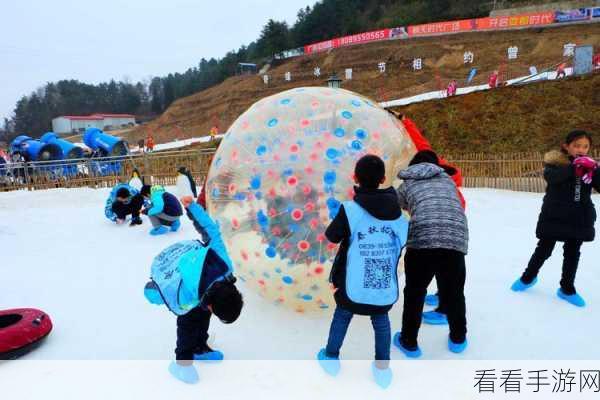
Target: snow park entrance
x,y
399,206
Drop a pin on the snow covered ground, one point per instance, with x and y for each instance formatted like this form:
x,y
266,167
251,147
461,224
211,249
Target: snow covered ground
x,y
61,255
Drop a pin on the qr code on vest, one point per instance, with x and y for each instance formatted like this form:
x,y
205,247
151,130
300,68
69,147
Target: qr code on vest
x,y
378,273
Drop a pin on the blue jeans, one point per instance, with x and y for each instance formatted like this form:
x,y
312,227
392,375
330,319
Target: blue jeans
x,y
339,327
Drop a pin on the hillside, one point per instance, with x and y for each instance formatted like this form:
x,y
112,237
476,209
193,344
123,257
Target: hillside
x,y
534,117
442,56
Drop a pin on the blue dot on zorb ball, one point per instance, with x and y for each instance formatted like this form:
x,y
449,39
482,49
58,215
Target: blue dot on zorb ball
x,y
261,218
339,132
271,252
240,196
261,150
285,101
361,133
215,192
355,103
288,280
272,122
306,297
333,204
356,145
287,172
255,183
331,153
346,114
329,177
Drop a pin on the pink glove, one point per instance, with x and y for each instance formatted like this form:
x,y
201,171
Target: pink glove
x,y
584,168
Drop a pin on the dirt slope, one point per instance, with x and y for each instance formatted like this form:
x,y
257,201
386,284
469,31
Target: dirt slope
x,y
443,60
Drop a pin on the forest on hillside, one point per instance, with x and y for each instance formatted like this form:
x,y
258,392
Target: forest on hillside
x,y
326,19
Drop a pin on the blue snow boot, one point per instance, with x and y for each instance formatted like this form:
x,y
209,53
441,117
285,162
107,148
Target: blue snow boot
x,y
434,318
175,225
210,356
161,230
331,365
520,286
383,377
408,352
432,300
574,299
184,373
457,348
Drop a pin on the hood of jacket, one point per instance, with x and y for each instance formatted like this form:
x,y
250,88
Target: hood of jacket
x,y
420,171
556,157
381,203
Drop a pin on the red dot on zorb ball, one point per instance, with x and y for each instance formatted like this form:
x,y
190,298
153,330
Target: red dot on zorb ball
x,y
314,223
310,206
276,231
304,122
235,223
297,214
331,246
320,237
306,189
319,270
292,181
303,245
294,148
232,188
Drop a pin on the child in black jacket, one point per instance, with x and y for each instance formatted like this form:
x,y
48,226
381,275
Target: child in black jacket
x,y
568,214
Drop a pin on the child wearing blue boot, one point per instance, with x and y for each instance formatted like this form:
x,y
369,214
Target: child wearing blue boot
x,y
567,215
195,280
371,231
437,243
165,210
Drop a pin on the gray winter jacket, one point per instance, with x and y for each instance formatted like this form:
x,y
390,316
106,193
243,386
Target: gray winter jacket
x,y
437,220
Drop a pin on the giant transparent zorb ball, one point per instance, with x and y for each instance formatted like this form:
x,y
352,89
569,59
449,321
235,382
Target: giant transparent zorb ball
x,y
279,177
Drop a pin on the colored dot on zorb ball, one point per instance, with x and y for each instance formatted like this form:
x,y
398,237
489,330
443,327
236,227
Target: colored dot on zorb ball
x,y
274,187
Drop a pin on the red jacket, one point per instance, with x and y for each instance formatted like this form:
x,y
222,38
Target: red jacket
x,y
202,196
423,144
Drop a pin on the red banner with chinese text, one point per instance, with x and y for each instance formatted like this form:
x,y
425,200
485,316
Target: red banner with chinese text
x,y
515,21
464,25
365,37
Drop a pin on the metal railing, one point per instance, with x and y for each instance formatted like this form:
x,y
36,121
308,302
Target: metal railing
x,y
161,167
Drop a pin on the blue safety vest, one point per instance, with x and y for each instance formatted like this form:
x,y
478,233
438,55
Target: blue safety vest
x,y
373,255
176,275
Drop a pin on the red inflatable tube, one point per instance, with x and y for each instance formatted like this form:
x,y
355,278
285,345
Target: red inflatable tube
x,y
22,330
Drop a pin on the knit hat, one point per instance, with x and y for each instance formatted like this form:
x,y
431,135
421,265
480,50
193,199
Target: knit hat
x,y
145,190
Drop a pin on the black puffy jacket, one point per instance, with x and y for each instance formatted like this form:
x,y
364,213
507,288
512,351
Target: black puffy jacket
x,y
380,203
567,211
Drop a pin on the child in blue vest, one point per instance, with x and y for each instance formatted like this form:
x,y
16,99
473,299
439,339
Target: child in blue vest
x,y
195,280
371,231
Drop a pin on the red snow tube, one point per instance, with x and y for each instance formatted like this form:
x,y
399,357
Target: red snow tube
x,y
22,330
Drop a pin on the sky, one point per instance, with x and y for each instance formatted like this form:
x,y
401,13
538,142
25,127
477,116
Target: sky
x,y
95,41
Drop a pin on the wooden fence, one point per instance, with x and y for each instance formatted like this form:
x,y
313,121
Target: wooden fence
x,y
515,171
